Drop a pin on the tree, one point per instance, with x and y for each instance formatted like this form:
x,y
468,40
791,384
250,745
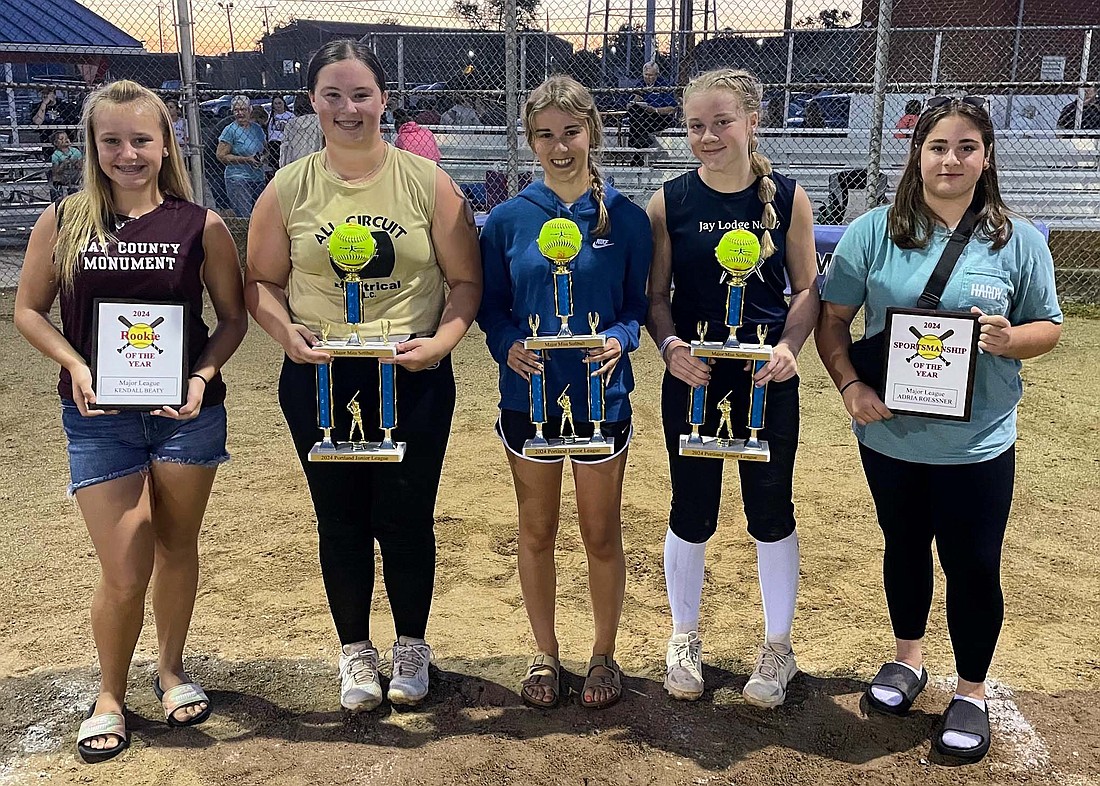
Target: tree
x,y
828,18
489,14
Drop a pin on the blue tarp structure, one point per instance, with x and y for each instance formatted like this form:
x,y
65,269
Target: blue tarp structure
x,y
34,28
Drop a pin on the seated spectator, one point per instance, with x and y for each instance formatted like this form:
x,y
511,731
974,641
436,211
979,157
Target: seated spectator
x,y
429,114
461,114
651,110
179,123
773,113
302,133
490,112
413,137
908,120
67,165
1090,112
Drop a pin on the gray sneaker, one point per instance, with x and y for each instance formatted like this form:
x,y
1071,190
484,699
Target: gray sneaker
x,y
359,685
767,687
684,666
410,671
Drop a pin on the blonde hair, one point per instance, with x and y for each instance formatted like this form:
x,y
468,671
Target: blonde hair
x,y
570,96
750,94
90,213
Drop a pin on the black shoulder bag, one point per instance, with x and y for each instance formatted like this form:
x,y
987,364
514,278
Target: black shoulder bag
x,y
868,355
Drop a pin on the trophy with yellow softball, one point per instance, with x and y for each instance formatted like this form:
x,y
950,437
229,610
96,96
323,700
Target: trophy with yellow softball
x,y
351,247
738,253
560,242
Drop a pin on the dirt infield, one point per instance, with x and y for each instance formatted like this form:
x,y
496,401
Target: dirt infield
x,y
263,644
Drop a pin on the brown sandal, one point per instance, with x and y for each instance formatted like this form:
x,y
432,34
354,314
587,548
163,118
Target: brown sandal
x,y
543,671
614,681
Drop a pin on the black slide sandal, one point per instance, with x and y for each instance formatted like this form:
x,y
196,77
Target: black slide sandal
x,y
962,716
903,680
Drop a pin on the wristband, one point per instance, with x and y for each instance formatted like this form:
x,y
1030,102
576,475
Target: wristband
x,y
847,385
205,381
665,344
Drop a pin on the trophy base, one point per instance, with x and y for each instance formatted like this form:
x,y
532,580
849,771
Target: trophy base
x,y
712,447
716,349
364,349
581,446
357,451
565,342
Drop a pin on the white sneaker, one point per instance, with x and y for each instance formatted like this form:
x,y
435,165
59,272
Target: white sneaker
x,y
410,671
359,685
767,687
684,666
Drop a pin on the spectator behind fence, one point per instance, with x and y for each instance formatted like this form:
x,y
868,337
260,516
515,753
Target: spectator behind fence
x,y
302,133
429,115
276,127
461,114
652,110
66,167
1090,112
490,112
908,120
179,123
241,148
413,137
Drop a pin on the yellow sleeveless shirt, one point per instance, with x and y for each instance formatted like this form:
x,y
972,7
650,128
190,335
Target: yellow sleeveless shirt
x,y
403,283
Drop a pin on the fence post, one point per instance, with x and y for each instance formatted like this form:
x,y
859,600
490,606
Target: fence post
x,y
1086,50
401,68
189,95
882,62
511,96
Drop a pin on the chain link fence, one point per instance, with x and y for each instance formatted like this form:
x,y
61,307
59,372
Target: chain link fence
x,y
841,86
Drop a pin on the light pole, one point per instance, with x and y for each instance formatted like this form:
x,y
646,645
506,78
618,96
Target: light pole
x,y
160,24
228,6
265,7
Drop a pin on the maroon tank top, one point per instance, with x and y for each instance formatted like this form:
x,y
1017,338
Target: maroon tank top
x,y
158,256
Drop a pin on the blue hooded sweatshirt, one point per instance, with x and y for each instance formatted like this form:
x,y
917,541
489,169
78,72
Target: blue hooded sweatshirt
x,y
609,277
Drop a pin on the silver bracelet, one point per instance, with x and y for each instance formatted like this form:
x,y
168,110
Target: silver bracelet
x,y
665,344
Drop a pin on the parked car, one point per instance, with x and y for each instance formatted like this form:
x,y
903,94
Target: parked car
x,y
222,105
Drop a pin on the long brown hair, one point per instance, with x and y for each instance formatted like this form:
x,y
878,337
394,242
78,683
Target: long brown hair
x,y
570,96
911,221
750,94
89,213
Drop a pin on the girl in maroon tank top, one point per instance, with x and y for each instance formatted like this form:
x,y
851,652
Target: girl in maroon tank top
x,y
132,232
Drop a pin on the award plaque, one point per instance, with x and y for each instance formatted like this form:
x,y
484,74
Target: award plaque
x,y
738,254
930,362
351,248
139,358
568,443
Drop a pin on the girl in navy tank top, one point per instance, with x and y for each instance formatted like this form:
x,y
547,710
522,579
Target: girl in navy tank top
x,y
133,233
734,188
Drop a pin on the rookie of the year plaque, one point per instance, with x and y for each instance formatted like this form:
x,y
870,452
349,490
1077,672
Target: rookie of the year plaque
x,y
139,360
930,361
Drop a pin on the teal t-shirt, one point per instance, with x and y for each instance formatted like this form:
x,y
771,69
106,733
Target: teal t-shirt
x,y
247,141
1016,281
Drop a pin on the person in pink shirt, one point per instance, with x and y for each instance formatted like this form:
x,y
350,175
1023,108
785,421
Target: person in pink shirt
x,y
413,137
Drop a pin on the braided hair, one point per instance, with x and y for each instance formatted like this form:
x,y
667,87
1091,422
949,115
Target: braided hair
x,y
570,96
750,93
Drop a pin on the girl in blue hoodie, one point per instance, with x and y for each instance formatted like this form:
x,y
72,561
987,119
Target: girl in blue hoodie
x,y
609,277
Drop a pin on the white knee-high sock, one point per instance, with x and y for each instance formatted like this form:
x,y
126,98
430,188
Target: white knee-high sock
x,y
684,564
777,567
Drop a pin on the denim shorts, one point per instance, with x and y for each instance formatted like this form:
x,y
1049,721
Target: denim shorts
x,y
106,447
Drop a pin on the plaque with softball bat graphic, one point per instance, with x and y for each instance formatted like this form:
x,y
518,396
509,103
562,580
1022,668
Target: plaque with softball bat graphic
x,y
139,359
930,362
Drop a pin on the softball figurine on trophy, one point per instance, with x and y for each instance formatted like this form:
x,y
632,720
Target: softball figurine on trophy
x,y
738,253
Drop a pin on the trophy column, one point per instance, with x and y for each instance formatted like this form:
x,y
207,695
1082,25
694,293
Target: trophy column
x,y
324,407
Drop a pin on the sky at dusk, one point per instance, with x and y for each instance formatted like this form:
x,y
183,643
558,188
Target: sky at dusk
x,y
147,21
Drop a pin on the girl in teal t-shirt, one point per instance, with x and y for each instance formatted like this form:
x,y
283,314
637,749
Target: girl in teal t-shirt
x,y
1006,275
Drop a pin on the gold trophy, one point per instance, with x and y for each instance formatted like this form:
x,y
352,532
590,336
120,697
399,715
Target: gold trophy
x,y
738,253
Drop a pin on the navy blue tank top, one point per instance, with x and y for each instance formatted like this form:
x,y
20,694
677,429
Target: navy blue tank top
x,y
696,217
158,256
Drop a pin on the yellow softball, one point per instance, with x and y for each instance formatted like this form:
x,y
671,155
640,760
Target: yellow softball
x,y
738,251
351,247
560,239
930,347
140,336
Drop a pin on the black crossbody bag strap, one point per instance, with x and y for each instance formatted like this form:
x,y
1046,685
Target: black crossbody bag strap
x,y
933,290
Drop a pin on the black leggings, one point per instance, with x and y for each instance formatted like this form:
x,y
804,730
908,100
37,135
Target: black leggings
x,y
360,502
964,507
766,487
